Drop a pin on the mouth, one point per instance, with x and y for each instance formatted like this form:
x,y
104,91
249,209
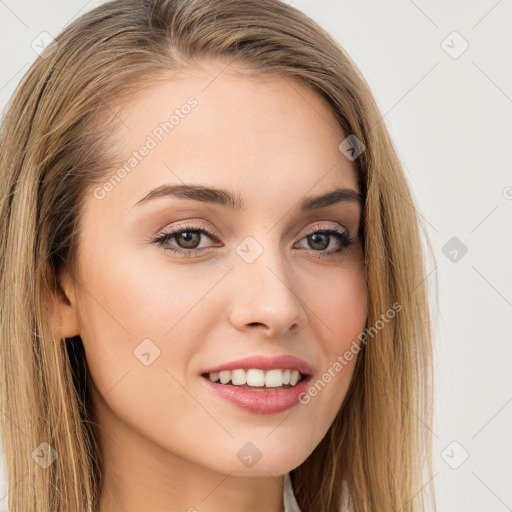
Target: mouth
x,y
257,378
261,391
260,384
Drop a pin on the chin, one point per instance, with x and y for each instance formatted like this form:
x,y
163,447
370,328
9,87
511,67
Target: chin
x,y
245,464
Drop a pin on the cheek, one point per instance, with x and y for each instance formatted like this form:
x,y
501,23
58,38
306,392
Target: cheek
x,y
141,296
339,307
338,317
141,325
139,312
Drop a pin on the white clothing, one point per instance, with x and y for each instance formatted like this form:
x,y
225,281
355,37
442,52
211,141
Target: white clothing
x,y
290,503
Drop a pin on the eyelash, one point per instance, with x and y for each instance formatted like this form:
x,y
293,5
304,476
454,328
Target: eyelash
x,y
343,236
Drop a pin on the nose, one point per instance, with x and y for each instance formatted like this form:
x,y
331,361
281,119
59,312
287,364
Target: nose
x,y
266,296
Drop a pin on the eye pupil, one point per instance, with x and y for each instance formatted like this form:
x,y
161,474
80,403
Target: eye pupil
x,y
314,238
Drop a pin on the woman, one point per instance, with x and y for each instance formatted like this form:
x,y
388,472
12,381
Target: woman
x,y
213,284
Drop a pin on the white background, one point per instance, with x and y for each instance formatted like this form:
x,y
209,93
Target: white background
x,y
451,121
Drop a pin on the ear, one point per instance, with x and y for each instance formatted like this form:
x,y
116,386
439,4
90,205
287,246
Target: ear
x,y
62,305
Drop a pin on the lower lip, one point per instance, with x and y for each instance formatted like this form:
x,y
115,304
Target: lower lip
x,y
260,401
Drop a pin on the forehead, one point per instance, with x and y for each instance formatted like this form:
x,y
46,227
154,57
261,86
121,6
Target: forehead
x,y
265,135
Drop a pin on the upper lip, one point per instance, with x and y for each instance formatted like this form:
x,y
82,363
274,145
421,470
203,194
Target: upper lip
x,y
283,362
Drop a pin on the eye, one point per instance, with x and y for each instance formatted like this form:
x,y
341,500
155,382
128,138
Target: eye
x,y
320,239
188,239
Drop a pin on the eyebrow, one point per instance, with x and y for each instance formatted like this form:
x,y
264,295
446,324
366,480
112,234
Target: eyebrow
x,y
235,201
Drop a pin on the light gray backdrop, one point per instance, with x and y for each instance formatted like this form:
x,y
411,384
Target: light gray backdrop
x,y
441,74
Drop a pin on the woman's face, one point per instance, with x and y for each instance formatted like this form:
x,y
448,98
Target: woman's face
x,y
265,281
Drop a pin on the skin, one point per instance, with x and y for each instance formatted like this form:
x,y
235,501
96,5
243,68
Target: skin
x,y
169,443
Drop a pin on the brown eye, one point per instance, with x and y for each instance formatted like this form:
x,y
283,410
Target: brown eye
x,y
188,239
320,240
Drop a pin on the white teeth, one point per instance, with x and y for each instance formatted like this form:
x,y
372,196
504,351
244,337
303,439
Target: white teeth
x,y
256,377
238,377
273,378
294,377
225,377
213,376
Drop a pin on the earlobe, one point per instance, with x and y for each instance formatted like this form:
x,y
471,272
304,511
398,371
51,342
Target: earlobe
x,y
63,307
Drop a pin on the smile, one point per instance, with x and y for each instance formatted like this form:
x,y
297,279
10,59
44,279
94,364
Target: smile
x,y
257,378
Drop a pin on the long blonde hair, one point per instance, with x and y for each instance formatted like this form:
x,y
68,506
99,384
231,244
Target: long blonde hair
x,y
53,151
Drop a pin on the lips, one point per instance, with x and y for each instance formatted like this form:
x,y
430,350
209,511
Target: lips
x,y
265,400
261,401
